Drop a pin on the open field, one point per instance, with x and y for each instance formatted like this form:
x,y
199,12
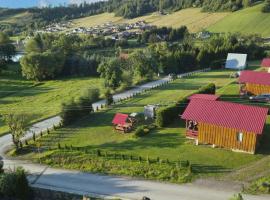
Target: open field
x,y
96,132
248,21
40,100
193,18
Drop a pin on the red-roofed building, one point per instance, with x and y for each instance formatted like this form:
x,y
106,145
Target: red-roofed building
x,y
227,125
210,97
254,82
122,122
266,63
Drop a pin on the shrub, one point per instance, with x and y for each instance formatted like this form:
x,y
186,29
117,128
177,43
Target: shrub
x,y
142,131
167,115
15,185
237,197
266,7
208,89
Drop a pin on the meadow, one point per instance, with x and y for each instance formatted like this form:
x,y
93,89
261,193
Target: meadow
x,y
38,100
96,133
247,21
193,18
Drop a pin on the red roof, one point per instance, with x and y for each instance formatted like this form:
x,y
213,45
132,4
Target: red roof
x,y
261,78
120,119
231,115
265,62
211,97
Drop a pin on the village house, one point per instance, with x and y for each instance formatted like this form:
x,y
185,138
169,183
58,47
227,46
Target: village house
x,y
266,64
254,83
223,124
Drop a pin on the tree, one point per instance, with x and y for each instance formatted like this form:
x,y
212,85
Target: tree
x,y
266,7
17,124
108,97
76,109
111,71
144,64
7,50
42,66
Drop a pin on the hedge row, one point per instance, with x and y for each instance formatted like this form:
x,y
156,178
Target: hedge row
x,y
167,115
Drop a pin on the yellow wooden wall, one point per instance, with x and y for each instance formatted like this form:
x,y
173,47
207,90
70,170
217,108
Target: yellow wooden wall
x,y
258,89
226,138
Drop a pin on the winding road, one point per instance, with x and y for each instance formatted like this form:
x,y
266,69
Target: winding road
x,y
42,176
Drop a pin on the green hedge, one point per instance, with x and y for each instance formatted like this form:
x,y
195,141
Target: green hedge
x,y
167,115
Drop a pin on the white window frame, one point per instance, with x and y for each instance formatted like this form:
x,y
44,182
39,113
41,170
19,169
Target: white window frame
x,y
239,136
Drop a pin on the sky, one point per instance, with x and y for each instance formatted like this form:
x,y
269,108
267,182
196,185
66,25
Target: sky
x,y
38,3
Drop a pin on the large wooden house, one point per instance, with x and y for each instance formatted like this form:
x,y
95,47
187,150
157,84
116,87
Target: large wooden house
x,y
254,82
223,124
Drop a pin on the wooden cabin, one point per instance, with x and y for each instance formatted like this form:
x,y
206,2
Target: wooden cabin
x,y
254,83
122,122
266,64
227,125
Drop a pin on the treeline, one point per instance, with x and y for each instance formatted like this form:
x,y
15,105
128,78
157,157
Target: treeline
x,y
51,55
163,34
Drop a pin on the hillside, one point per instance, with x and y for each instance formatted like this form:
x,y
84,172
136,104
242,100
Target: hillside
x,y
193,18
250,20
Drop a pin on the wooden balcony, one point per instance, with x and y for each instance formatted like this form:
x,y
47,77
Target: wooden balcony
x,y
192,134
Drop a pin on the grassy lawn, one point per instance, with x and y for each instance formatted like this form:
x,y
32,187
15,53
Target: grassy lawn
x,y
96,132
248,21
41,100
198,21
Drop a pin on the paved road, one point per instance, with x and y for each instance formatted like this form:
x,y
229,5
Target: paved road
x,y
98,185
134,91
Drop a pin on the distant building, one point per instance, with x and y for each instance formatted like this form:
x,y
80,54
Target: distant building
x,y
236,61
254,82
266,63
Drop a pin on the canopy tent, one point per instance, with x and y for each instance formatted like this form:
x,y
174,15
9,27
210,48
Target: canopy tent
x,y
236,61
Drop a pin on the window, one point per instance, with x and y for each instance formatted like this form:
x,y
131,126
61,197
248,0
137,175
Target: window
x,y
239,137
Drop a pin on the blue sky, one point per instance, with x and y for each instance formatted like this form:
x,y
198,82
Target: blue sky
x,y
31,3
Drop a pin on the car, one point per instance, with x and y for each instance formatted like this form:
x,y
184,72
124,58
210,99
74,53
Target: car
x,y
260,98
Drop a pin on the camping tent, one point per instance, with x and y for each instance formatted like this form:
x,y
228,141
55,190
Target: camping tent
x,y
236,61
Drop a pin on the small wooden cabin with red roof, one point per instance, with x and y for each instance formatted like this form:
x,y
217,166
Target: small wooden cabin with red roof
x,y
122,122
223,124
254,82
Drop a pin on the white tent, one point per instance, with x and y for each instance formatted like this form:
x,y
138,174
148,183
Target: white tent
x,y
236,61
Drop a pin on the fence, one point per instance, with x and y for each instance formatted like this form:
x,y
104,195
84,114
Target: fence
x,y
193,73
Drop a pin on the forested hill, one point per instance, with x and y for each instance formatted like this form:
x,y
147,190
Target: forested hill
x,y
40,17
130,8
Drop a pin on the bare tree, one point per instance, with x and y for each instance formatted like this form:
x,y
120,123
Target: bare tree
x,y
17,124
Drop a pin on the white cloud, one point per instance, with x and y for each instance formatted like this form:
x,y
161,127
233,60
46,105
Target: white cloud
x,y
43,3
82,1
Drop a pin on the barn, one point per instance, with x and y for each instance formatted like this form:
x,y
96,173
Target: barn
x,y
236,61
254,82
223,124
266,63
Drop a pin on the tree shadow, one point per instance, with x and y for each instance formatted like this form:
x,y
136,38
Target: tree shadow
x,y
207,169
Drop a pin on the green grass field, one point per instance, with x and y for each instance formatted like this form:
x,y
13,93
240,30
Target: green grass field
x,y
41,100
193,18
96,131
248,21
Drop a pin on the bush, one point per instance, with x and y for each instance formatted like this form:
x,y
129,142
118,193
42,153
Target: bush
x,y
208,89
143,131
167,115
74,110
15,185
266,7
